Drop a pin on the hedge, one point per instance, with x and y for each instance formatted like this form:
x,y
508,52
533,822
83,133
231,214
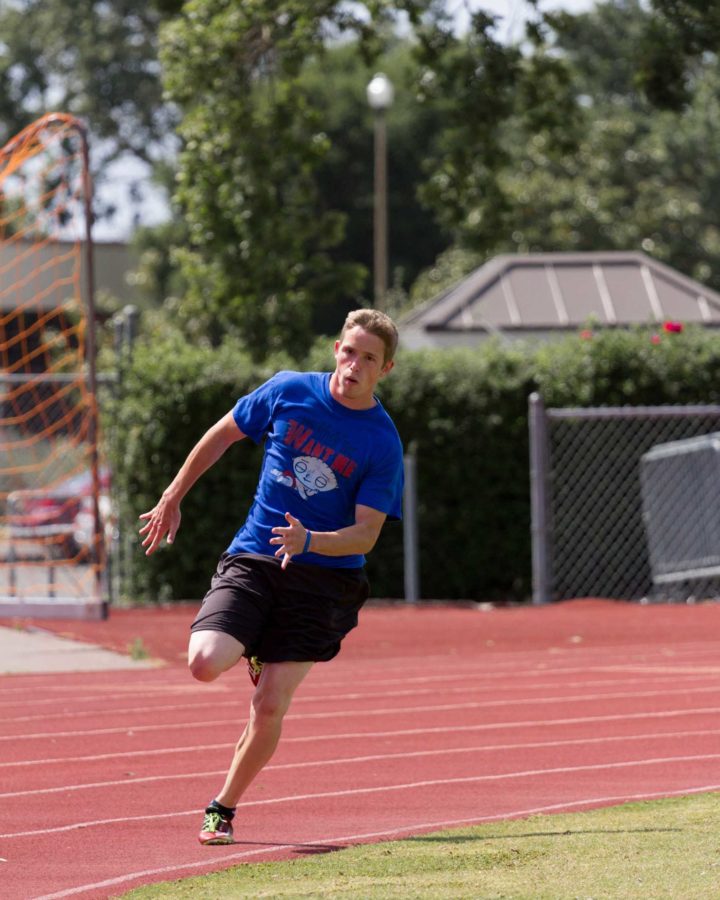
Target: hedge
x,y
464,411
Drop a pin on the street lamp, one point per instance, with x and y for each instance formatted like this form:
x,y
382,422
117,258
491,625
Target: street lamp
x,y
380,96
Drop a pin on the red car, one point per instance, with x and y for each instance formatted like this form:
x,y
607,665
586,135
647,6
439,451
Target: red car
x,y
60,518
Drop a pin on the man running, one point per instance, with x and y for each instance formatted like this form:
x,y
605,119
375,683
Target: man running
x,y
290,585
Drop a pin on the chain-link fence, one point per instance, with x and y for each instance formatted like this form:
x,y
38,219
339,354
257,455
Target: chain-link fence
x,y
625,502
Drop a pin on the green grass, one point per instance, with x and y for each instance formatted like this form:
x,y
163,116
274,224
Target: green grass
x,y
137,649
664,850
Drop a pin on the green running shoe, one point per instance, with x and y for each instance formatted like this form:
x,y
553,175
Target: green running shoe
x,y
216,828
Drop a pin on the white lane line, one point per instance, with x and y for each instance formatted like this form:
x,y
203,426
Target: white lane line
x,y
551,657
485,726
656,668
355,760
490,670
389,788
203,702
494,674
334,714
495,665
200,692
189,687
368,737
408,830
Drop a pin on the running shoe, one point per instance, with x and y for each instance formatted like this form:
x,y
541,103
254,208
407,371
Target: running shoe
x,y
255,668
216,828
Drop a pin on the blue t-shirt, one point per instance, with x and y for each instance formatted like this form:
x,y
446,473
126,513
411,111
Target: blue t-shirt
x,y
321,459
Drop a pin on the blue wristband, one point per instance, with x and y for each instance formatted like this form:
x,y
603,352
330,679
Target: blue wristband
x,y
308,537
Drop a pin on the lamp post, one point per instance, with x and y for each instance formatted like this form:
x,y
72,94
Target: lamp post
x,y
380,96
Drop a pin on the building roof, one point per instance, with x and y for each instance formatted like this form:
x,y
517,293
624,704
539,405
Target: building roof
x,y
555,291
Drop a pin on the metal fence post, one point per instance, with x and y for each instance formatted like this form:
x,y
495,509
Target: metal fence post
x,y
410,527
131,319
126,328
539,499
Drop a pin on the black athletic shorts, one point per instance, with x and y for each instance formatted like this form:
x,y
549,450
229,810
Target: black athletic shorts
x,y
297,614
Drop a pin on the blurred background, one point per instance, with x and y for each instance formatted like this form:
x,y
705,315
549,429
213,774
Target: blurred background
x,y
529,188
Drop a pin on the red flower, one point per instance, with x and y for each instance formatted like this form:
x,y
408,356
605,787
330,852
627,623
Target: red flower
x,y
670,327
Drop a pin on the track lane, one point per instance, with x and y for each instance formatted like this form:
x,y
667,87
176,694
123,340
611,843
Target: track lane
x,y
493,732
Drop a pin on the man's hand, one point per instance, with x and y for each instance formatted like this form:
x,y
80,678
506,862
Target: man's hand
x,y
163,519
291,538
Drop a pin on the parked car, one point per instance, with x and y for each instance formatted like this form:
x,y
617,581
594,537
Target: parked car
x,y
60,518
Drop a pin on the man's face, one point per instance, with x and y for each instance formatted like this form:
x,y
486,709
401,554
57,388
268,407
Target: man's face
x,y
359,359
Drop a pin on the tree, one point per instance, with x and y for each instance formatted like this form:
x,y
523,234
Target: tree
x,y
275,177
647,51
94,59
492,98
601,46
678,34
259,245
265,241
336,83
639,178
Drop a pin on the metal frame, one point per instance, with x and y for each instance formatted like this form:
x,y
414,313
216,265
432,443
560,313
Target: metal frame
x,y
99,607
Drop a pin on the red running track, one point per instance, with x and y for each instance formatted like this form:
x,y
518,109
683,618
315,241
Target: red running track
x,y
431,717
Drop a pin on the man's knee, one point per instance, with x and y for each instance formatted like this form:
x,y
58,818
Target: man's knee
x,y
269,705
203,667
211,653
276,689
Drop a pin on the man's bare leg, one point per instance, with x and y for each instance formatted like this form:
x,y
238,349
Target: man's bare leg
x,y
210,653
270,702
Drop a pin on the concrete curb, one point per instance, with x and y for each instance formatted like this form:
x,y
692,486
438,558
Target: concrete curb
x,y
25,652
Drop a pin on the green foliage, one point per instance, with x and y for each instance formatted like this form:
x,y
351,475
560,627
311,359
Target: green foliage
x,y
465,414
601,46
137,649
336,82
156,278
497,148
492,98
258,249
637,178
170,395
630,177
274,176
94,59
678,34
463,411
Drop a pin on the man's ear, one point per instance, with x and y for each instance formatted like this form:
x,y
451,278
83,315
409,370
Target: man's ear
x,y
386,368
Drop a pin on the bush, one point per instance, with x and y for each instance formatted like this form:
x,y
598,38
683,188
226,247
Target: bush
x,y
463,411
170,394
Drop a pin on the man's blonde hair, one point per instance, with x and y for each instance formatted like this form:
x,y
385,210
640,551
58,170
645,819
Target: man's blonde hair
x,y
377,323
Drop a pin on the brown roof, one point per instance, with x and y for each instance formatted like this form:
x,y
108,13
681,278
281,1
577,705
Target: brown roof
x,y
567,290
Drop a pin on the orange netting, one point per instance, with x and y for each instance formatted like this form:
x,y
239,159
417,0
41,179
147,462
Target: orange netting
x,y
52,491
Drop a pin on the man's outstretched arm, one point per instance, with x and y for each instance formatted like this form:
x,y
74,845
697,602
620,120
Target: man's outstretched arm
x,y
164,518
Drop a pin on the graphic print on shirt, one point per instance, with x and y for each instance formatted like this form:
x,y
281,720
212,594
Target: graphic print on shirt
x,y
319,466
309,476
